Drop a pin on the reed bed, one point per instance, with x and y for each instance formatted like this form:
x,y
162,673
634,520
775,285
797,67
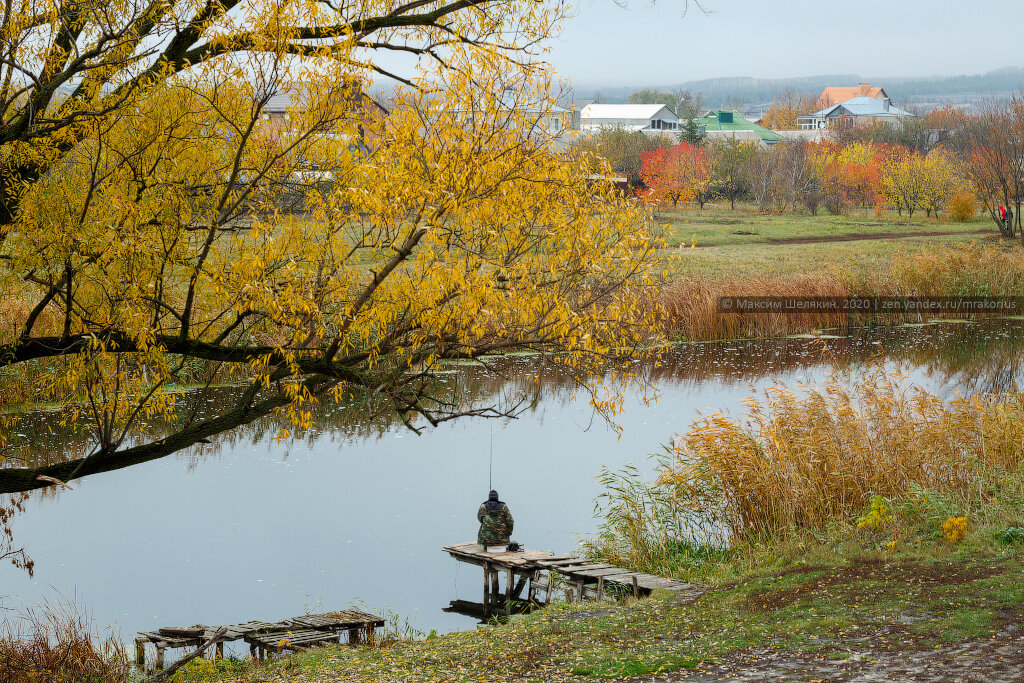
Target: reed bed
x,y
964,270
690,309
55,643
813,461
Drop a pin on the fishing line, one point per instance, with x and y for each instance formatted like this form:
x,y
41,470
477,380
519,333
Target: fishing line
x,y
490,464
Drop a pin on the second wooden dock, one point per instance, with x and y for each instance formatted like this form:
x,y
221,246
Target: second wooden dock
x,y
263,637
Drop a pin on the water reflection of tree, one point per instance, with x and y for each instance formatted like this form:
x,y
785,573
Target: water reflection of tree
x,y
983,357
980,358
977,358
42,439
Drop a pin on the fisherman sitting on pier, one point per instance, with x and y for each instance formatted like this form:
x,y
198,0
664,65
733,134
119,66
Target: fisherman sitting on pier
x,y
495,524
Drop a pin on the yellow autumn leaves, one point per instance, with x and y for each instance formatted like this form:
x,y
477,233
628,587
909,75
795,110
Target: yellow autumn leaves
x,y
916,182
360,249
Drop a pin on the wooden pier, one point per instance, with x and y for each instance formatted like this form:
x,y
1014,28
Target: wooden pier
x,y
530,573
263,638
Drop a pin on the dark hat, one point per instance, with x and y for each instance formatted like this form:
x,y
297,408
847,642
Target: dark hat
x,y
493,495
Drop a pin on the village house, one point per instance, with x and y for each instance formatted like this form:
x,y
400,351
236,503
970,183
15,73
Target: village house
x,y
729,124
536,117
276,113
834,95
549,119
653,119
857,111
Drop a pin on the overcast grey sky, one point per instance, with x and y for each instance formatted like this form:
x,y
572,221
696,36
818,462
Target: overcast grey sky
x,y
644,44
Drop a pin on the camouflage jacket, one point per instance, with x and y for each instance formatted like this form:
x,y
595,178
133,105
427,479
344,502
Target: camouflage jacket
x,y
495,524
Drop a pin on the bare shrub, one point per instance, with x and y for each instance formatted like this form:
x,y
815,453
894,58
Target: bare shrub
x,y
55,643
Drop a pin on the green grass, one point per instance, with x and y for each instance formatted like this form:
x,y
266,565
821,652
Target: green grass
x,y
720,226
914,600
743,242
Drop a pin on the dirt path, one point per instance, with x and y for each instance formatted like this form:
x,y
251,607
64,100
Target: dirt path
x,y
998,660
784,241
874,236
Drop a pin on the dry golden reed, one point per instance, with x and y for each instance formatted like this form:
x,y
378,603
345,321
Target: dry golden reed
x,y
54,643
690,306
807,460
804,458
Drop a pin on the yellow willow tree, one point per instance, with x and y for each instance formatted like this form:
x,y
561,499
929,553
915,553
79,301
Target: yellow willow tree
x,y
165,228
942,180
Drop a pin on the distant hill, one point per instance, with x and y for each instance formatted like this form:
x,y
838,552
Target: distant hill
x,y
925,92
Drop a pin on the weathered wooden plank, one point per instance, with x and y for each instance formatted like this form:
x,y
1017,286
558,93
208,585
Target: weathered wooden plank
x,y
339,620
183,632
474,553
167,641
653,582
560,562
661,582
590,565
623,577
283,640
593,570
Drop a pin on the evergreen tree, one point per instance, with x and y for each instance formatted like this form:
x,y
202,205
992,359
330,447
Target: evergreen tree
x,y
691,133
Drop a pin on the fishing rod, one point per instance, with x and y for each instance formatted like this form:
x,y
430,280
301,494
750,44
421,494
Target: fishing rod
x,y
490,464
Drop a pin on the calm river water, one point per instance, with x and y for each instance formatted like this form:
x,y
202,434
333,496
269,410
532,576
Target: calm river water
x,y
356,514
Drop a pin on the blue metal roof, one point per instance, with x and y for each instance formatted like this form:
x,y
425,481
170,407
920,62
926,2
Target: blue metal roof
x,y
863,106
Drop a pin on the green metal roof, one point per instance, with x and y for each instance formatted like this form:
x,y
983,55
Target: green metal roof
x,y
712,121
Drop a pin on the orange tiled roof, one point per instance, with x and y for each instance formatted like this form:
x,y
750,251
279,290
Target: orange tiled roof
x,y
836,94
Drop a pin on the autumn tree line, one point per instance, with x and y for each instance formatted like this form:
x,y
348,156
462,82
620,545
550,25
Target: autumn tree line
x,y
945,163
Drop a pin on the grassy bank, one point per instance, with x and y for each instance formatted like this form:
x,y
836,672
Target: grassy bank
x,y
741,242
749,254
824,605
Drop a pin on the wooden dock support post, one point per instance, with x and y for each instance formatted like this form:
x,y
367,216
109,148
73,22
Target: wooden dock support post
x,y
219,653
487,585
517,591
495,588
159,658
636,588
140,653
600,588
